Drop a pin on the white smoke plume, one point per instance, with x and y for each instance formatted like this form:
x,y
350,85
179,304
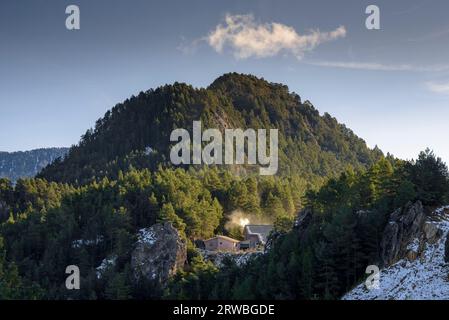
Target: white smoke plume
x,y
239,219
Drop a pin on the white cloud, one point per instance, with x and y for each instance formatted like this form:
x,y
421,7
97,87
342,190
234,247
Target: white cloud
x,y
247,38
438,87
379,66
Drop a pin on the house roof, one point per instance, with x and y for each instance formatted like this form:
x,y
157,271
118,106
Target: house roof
x,y
260,229
222,237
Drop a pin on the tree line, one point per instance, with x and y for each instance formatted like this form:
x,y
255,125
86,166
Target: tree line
x,y
330,256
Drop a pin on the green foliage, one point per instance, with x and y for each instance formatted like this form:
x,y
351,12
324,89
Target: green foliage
x,y
137,132
430,176
12,286
330,256
87,208
196,283
53,225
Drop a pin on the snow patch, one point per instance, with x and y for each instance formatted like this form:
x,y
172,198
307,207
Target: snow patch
x,y
105,264
414,245
83,242
425,278
148,151
146,236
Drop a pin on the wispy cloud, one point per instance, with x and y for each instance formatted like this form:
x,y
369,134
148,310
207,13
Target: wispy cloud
x,y
443,32
245,38
374,66
438,87
187,47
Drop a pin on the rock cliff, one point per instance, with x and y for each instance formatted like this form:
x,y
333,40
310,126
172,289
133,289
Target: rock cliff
x,y
416,244
159,253
404,225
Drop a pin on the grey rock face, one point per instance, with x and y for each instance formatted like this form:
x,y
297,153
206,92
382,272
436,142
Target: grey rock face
x,y
303,220
362,214
160,253
300,226
422,272
405,225
431,232
239,258
446,249
390,243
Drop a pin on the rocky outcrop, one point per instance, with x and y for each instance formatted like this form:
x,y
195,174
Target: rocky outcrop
x,y
270,241
159,253
431,232
218,258
422,274
300,226
105,265
404,226
446,249
303,220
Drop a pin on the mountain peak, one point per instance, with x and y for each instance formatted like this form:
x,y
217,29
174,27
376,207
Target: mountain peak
x,y
310,144
248,82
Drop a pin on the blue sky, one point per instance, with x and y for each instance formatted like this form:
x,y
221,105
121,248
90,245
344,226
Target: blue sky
x,y
391,86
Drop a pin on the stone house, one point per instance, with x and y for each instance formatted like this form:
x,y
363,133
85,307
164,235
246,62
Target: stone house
x,y
221,243
256,234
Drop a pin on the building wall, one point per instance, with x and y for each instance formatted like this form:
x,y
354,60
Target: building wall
x,y
245,233
256,239
253,240
216,244
211,244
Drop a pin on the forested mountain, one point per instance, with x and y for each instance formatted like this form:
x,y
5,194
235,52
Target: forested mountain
x,y
23,164
93,208
311,145
342,230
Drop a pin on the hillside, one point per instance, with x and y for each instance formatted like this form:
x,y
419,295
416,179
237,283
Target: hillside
x,y
311,145
422,275
22,164
124,224
384,216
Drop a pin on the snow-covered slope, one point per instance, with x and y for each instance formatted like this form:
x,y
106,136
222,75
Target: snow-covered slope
x,y
424,278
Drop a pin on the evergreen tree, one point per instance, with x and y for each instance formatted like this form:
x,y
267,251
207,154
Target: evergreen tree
x,y
430,176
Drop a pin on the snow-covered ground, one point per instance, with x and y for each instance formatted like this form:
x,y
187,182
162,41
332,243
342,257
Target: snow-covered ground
x,y
105,264
87,242
425,278
147,236
240,257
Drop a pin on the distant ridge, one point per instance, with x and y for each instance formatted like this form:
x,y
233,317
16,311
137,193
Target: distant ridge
x,y
23,164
